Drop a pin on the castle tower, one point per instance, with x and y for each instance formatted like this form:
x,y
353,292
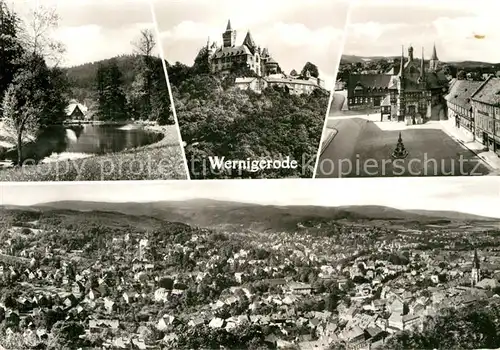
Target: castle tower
x,y
401,105
434,61
476,270
229,36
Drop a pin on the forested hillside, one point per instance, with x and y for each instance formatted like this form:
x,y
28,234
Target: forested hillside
x,y
218,119
83,78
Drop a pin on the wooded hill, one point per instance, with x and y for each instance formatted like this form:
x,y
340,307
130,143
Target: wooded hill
x,y
82,78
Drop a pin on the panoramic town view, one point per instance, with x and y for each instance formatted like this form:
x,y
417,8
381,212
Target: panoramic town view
x,y
251,83
98,270
417,97
84,97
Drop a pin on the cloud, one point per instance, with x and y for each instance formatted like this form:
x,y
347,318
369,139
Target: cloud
x,y
92,30
377,28
295,31
189,30
291,44
90,43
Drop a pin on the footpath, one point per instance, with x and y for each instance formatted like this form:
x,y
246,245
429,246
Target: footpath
x,y
489,157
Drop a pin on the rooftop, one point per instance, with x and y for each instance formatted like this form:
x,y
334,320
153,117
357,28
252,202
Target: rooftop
x,y
461,92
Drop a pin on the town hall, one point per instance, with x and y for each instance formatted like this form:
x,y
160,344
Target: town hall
x,y
409,91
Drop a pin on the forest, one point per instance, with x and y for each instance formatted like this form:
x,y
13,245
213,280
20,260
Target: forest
x,y
35,88
217,119
124,87
474,326
32,93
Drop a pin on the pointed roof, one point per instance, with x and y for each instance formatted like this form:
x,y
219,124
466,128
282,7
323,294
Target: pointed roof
x,y
402,63
434,54
229,25
248,41
476,260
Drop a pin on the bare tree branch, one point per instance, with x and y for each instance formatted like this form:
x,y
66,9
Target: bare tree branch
x,y
146,43
39,34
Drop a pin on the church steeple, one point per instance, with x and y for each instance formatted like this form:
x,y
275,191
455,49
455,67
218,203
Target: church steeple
x,y
476,270
434,54
228,27
433,62
476,260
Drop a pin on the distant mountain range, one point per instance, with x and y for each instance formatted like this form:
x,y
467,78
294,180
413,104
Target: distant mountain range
x,y
458,64
224,214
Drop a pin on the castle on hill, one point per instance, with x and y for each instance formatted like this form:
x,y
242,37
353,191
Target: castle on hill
x,y
224,58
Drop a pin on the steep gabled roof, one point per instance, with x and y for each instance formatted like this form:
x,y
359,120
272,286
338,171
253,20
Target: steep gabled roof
x,y
488,92
461,92
378,81
248,41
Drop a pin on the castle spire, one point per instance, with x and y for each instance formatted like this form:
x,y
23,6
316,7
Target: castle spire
x,y
229,25
402,63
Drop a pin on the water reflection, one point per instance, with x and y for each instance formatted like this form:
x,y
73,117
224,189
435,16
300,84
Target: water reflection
x,y
88,139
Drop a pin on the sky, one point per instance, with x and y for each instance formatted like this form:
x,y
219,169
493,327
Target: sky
x,y
92,30
475,195
295,31
380,27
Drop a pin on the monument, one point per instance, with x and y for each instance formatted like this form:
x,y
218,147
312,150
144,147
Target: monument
x,y
400,152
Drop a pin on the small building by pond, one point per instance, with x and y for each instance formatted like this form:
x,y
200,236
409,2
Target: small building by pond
x,y
77,111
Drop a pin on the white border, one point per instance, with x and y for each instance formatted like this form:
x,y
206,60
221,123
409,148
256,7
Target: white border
x,y
172,104
335,72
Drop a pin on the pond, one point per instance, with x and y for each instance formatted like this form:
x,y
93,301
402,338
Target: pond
x,y
77,141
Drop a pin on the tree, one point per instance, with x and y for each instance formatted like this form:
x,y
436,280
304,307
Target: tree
x,y
23,102
10,46
461,75
143,81
111,98
312,68
201,62
38,34
150,98
67,334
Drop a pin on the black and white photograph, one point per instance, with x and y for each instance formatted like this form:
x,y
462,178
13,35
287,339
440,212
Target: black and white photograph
x,y
381,263
416,92
251,82
84,94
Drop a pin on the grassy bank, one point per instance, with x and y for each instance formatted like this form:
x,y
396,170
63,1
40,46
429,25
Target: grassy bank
x,y
160,161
